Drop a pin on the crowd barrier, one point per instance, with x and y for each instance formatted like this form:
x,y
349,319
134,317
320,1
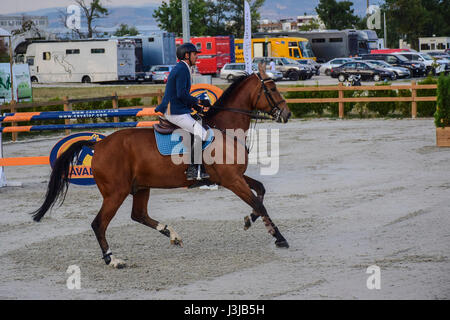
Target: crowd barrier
x,y
15,117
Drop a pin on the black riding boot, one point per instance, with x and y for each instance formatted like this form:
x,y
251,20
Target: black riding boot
x,y
195,171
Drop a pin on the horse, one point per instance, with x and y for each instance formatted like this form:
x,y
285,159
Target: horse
x,y
138,166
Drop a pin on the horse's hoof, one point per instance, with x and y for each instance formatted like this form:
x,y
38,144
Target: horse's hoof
x,y
282,244
117,264
247,223
177,242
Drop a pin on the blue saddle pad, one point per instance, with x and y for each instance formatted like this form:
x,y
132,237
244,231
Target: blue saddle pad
x,y
169,144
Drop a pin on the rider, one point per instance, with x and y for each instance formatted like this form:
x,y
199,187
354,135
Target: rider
x,y
177,105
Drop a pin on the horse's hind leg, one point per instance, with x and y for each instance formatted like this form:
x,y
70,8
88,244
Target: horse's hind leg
x,y
108,210
242,190
139,213
258,187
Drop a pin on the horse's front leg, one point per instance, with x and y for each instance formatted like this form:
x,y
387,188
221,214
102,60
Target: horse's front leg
x,y
258,187
240,187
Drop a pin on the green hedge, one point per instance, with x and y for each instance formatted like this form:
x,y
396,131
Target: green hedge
x,y
442,115
426,108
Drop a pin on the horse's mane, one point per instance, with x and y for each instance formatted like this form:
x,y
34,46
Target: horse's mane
x,y
221,102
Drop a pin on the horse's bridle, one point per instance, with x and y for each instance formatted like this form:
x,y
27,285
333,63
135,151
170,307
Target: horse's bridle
x,y
275,110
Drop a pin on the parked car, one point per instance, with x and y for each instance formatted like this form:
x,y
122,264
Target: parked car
x,y
231,71
437,55
288,67
399,72
275,75
311,63
366,70
425,58
326,67
417,68
160,73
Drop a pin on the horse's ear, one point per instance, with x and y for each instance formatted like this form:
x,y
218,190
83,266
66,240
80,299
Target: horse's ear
x,y
262,69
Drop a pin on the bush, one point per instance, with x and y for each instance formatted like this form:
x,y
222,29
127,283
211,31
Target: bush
x,y
382,108
404,107
426,108
442,115
303,109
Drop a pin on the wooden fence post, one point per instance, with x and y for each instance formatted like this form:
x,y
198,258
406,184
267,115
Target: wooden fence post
x,y
67,107
115,105
413,103
14,135
159,97
341,104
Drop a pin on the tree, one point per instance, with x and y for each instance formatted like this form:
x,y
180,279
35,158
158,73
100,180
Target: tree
x,y
217,13
313,24
337,15
125,30
92,11
208,17
412,19
28,26
236,25
169,17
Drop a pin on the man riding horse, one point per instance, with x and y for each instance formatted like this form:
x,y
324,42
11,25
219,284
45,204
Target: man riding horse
x,y
177,106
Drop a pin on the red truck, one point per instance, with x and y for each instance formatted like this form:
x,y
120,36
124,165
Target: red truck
x,y
215,52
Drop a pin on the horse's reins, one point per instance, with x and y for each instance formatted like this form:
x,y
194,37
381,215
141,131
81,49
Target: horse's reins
x,y
274,112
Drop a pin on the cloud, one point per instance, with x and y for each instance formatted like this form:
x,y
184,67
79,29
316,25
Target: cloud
x,y
279,6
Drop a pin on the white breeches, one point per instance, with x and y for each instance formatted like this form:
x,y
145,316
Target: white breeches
x,y
188,123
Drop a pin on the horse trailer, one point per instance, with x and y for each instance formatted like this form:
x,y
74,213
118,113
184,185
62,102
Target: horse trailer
x,y
155,48
330,44
92,60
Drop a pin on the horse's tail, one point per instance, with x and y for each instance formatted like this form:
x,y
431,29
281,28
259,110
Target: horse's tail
x,y
59,178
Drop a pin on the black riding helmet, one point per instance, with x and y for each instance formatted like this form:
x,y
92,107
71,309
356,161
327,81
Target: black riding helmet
x,y
186,48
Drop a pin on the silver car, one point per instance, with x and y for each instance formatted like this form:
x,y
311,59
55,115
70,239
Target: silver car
x,y
288,67
399,72
160,73
337,62
231,71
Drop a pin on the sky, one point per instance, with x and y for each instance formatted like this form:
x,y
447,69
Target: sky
x,y
8,6
13,6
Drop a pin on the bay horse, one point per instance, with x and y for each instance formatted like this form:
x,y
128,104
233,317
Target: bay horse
x,y
132,155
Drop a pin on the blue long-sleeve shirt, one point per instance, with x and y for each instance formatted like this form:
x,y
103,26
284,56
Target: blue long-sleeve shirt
x,y
177,91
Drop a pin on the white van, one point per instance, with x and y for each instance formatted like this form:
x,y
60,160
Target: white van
x,y
96,60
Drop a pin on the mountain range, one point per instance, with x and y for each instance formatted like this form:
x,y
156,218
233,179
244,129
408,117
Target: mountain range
x,y
139,16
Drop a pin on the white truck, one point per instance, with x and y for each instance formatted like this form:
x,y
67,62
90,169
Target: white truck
x,y
92,60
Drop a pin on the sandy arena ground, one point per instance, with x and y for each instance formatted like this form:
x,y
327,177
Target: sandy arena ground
x,y
349,194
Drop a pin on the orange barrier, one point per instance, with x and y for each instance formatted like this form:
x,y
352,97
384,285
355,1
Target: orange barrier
x,y
24,161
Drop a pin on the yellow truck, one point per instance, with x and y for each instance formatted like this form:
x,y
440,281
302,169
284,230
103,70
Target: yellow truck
x,y
294,48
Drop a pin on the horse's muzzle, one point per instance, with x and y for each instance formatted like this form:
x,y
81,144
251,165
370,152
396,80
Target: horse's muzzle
x,y
284,116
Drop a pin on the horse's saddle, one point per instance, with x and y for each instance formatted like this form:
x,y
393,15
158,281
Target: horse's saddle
x,y
164,126
170,142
